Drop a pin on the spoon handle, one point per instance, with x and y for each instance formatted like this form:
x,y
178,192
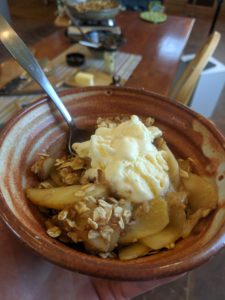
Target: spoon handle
x,y
25,58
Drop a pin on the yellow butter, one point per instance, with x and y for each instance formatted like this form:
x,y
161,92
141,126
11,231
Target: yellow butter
x,y
84,79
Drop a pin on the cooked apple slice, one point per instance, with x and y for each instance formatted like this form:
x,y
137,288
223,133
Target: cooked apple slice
x,y
133,251
185,165
55,177
202,192
176,198
43,166
193,220
148,221
60,197
174,170
171,233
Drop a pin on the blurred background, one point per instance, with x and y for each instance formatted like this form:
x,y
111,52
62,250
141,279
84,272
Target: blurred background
x,y
35,19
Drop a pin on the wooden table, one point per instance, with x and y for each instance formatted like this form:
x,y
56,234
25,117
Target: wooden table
x,y
160,45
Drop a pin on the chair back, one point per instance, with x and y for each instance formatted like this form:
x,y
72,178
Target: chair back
x,y
185,85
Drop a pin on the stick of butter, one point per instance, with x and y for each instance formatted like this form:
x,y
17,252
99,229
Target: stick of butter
x,y
84,79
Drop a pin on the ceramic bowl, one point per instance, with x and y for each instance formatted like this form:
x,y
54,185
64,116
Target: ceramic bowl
x,y
39,128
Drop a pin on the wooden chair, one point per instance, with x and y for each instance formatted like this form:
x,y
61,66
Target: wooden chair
x,y
185,85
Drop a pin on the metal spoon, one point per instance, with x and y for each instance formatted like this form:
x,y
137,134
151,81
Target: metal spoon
x,y
25,58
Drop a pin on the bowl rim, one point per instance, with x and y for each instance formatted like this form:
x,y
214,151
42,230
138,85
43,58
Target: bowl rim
x,y
132,270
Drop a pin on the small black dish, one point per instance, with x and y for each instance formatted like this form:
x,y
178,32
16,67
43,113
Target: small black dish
x,y
75,59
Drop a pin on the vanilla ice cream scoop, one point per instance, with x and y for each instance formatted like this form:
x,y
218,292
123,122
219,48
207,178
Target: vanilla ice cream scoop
x,y
133,167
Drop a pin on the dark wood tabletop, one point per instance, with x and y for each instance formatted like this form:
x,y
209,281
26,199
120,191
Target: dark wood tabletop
x,y
161,46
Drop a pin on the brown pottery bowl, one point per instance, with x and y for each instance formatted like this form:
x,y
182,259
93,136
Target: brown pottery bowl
x,y
39,128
